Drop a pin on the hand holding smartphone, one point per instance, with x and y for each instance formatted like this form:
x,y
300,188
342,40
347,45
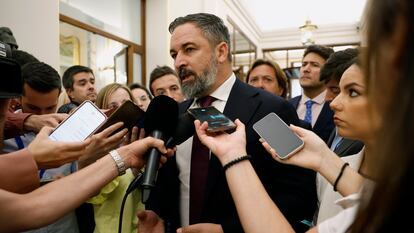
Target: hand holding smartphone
x,y
217,121
278,135
80,124
128,113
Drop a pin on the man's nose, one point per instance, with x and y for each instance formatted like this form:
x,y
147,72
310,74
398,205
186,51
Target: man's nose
x,y
180,61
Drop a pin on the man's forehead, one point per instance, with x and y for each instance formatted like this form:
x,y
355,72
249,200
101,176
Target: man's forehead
x,y
31,94
168,78
185,34
83,75
313,57
165,81
332,82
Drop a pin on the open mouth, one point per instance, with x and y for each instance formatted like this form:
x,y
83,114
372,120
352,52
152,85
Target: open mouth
x,y
186,78
186,75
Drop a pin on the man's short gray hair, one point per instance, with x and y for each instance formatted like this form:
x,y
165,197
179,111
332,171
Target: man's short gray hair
x,y
213,28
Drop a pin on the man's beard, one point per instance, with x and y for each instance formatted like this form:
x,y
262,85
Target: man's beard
x,y
201,84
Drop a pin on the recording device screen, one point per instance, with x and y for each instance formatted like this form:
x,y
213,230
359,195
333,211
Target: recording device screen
x,y
278,135
80,124
217,121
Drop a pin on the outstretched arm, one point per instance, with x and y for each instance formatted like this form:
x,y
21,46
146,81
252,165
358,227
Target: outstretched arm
x,y
246,189
101,144
52,201
317,156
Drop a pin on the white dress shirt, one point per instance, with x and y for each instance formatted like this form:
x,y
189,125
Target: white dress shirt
x,y
341,222
326,195
183,154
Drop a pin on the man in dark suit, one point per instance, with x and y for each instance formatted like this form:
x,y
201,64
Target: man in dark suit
x,y
344,146
331,74
200,47
311,106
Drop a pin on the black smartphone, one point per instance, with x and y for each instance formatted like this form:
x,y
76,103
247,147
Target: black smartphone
x,y
129,113
217,121
278,135
80,124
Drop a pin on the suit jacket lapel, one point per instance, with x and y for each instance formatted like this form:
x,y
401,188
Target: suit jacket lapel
x,y
295,101
241,104
345,144
324,117
183,106
331,138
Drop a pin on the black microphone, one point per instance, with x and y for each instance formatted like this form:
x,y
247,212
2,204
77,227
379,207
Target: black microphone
x,y
160,122
184,130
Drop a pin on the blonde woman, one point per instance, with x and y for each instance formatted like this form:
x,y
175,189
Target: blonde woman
x,y
108,202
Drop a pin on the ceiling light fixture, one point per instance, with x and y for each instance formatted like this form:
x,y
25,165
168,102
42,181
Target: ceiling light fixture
x,y
307,32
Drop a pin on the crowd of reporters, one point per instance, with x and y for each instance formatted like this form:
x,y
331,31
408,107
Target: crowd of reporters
x,y
348,115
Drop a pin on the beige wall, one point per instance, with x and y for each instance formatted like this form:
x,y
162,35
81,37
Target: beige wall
x,y
160,13
35,25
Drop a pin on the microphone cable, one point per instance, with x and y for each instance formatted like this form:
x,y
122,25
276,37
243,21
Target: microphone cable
x,y
136,182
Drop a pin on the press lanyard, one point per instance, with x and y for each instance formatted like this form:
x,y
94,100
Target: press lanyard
x,y
20,145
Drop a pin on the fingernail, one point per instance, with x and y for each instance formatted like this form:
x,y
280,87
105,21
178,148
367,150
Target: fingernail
x,y
261,140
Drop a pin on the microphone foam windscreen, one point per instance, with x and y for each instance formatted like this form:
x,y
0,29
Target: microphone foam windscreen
x,y
185,128
162,115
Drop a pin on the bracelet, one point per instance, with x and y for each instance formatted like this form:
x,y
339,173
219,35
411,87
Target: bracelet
x,y
236,160
118,161
339,175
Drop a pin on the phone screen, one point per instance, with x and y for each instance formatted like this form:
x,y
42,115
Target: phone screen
x,y
217,121
80,124
278,135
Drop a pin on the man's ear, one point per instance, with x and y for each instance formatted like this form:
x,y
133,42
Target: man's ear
x,y
222,51
69,92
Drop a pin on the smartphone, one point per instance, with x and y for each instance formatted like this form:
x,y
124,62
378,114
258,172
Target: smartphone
x,y
80,124
278,135
129,113
217,121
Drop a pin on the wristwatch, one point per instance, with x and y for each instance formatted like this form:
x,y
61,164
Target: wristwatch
x,y
118,161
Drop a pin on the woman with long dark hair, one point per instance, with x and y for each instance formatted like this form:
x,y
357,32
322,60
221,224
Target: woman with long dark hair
x,y
389,68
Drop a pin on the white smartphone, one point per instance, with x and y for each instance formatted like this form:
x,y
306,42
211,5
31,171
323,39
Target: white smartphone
x,y
278,135
80,124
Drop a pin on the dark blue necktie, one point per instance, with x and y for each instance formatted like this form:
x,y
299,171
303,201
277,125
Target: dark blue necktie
x,y
308,115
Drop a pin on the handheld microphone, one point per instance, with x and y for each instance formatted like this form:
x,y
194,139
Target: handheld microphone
x,y
160,122
184,130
